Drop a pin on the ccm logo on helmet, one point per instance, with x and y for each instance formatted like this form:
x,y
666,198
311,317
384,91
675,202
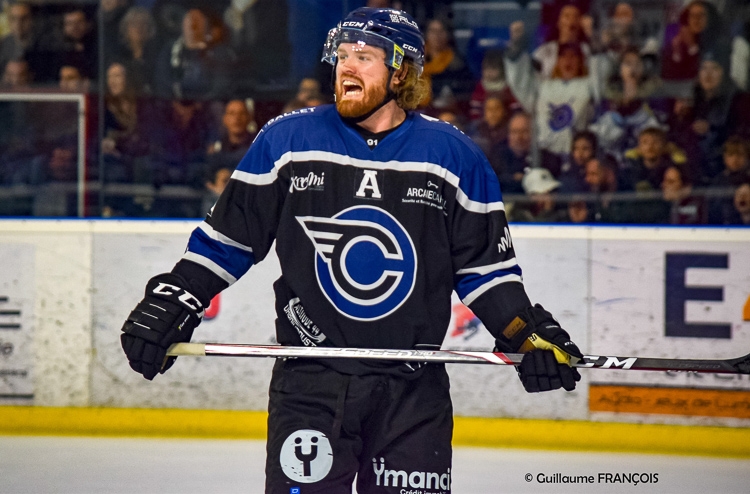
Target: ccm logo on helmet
x,y
353,24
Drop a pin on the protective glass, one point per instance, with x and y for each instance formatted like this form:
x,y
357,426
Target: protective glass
x,y
394,55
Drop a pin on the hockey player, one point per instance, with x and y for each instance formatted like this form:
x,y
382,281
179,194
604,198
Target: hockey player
x,y
378,214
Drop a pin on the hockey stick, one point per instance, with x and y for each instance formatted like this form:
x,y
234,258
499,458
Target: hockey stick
x,y
739,365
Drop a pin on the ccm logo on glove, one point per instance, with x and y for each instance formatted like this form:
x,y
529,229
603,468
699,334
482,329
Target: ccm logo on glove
x,y
186,298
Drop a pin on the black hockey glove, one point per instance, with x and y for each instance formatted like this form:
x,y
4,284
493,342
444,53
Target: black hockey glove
x,y
549,352
167,314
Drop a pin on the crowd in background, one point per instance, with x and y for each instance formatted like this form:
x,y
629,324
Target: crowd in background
x,y
602,111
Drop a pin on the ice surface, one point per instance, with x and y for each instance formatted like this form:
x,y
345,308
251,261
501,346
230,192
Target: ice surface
x,y
80,465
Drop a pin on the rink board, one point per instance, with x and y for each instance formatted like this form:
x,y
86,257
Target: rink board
x,y
468,431
612,288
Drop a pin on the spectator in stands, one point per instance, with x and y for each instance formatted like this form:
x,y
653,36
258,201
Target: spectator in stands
x,y
295,104
55,195
492,83
509,160
573,170
309,88
22,38
193,67
449,77
601,179
237,133
578,212
111,13
137,48
567,30
452,118
308,94
76,45
126,142
179,142
740,62
685,208
216,181
492,130
259,32
621,33
644,165
699,27
17,75
540,186
718,109
20,158
562,103
600,175
626,103
740,214
736,154
72,80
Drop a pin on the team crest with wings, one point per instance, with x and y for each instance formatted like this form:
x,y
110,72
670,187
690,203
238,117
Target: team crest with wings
x,y
365,261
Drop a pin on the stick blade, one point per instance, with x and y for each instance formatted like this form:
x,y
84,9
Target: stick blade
x,y
742,364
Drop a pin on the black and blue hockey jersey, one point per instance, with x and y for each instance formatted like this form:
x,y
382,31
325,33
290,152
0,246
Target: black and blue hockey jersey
x,y
371,242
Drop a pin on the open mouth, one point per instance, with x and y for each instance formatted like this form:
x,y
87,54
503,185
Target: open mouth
x,y
351,88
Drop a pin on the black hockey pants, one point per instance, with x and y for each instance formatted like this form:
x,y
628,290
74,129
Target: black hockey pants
x,y
324,428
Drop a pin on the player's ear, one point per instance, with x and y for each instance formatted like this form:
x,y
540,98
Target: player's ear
x,y
400,75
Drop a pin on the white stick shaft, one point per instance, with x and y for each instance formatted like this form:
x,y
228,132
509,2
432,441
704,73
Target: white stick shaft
x,y
739,365
444,356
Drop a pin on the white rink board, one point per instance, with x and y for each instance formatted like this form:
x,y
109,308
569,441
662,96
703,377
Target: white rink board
x,y
556,278
123,264
605,285
16,323
628,313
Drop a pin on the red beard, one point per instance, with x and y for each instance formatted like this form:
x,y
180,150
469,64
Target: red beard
x,y
356,108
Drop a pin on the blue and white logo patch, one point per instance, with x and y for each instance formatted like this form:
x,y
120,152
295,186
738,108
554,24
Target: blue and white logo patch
x,y
365,261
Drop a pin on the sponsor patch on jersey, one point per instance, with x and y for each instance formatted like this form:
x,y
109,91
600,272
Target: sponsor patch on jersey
x,y
311,181
309,333
428,195
306,456
365,261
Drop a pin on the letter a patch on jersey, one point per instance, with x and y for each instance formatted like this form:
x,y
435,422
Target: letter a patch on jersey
x,y
368,184
365,261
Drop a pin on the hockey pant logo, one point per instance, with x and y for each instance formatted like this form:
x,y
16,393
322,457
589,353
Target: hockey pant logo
x,y
306,456
365,261
419,480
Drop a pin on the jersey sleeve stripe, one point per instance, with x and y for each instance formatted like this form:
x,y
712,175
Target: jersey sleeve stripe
x,y
211,265
468,283
476,206
255,179
474,294
214,235
483,270
226,261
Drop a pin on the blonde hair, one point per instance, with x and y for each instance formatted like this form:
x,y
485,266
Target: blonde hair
x,y
413,89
